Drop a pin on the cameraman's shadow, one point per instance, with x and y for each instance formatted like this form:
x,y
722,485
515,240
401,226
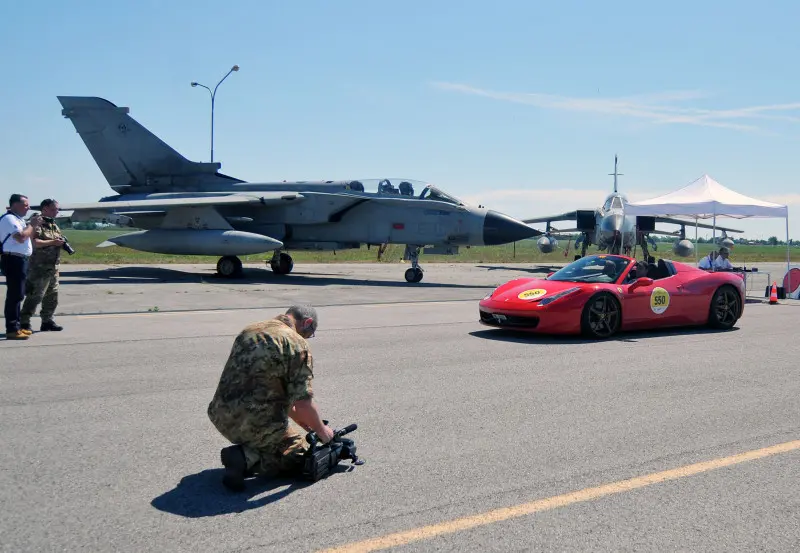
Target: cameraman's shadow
x,y
203,495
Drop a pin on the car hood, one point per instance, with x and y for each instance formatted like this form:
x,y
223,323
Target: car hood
x,y
528,291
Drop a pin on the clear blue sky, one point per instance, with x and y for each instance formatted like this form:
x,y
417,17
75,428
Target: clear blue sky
x,y
520,105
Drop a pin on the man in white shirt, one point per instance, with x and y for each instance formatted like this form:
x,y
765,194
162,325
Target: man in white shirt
x,y
722,261
17,247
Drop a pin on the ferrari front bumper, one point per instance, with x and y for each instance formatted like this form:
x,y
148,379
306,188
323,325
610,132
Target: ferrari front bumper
x,y
541,320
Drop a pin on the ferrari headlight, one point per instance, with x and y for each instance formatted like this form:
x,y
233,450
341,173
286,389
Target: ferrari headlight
x,y
554,297
490,294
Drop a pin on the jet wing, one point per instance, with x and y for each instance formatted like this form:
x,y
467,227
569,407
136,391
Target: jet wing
x,y
271,198
560,217
688,223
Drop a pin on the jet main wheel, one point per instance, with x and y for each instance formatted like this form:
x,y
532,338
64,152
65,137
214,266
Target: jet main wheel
x,y
283,266
229,266
413,274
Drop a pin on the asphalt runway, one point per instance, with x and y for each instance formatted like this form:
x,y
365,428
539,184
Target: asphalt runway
x,y
671,440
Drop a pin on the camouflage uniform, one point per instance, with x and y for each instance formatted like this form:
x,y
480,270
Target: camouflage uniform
x,y
41,285
269,368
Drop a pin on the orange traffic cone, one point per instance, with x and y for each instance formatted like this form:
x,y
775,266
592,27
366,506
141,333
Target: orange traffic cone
x,y
773,295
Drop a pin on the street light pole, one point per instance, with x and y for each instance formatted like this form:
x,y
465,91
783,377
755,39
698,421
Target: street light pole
x,y
213,97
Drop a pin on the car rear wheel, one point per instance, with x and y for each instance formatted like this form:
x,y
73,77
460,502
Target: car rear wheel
x,y
601,316
725,309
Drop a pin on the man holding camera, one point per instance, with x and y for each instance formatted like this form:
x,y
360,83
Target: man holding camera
x,y
41,285
266,381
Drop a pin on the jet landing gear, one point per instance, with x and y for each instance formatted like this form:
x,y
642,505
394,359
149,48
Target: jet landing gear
x,y
414,273
281,263
229,266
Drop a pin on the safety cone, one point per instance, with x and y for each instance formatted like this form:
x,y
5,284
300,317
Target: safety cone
x,y
773,295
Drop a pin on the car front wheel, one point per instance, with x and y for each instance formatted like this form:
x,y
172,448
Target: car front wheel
x,y
601,317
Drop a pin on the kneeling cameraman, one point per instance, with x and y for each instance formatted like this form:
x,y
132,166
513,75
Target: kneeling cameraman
x,y
266,381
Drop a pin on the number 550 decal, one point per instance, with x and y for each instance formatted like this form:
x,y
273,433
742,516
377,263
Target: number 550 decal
x,y
659,300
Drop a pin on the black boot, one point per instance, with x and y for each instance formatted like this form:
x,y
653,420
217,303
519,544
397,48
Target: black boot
x,y
50,325
235,464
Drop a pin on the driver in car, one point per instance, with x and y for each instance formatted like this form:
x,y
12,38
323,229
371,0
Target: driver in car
x,y
639,270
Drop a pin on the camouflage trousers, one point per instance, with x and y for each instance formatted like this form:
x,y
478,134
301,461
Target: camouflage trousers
x,y
41,286
271,447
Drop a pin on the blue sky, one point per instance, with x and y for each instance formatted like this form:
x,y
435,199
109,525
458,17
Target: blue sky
x,y
518,105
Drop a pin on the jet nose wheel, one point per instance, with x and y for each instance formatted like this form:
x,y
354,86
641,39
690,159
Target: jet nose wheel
x,y
229,266
414,274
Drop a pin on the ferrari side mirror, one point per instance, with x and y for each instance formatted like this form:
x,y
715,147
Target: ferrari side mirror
x,y
640,283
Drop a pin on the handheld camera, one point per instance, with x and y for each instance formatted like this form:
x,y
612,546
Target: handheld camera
x,y
320,459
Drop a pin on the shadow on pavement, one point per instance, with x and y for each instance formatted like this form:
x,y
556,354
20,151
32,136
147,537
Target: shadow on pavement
x,y
539,269
503,335
203,495
143,275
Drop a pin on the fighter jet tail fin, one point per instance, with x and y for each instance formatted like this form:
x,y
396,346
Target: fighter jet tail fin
x,y
131,158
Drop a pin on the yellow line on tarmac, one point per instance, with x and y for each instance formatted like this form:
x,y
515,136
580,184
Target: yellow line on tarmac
x,y
587,494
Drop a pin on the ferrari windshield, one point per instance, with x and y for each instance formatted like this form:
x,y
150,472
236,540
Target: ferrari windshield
x,y
592,268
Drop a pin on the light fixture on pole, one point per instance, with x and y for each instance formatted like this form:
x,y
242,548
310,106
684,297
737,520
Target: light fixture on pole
x,y
213,96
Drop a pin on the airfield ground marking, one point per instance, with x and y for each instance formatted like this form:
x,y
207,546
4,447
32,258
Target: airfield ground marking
x,y
218,311
586,494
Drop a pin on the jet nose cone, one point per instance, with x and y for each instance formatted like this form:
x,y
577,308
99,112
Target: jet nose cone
x,y
502,229
612,223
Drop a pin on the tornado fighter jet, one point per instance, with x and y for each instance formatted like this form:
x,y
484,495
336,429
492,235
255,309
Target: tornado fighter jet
x,y
614,232
184,207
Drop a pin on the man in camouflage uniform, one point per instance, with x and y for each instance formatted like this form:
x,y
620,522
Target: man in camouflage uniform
x,y
266,381
41,285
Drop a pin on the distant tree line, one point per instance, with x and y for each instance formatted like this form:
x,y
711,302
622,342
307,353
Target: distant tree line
x,y
771,241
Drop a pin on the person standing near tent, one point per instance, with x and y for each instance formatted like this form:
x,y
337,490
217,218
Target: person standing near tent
x,y
722,261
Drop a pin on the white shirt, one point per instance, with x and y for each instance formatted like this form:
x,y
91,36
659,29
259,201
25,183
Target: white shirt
x,y
705,263
9,225
722,263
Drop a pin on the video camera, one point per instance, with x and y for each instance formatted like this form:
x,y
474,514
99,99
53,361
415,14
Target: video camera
x,y
320,459
65,246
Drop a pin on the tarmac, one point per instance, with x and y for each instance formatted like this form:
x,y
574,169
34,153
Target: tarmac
x,y
474,439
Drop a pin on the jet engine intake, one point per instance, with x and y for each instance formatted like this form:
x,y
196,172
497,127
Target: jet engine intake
x,y
683,248
546,244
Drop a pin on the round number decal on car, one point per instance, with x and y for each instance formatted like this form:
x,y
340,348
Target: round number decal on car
x,y
659,300
532,294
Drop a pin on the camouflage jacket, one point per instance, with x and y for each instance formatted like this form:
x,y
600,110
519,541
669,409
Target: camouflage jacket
x,y
268,369
48,255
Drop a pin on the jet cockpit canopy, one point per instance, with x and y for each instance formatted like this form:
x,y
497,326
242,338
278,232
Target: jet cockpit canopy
x,y
614,202
403,187
432,193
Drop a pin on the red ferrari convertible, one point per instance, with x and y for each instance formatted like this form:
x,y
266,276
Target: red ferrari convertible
x,y
600,295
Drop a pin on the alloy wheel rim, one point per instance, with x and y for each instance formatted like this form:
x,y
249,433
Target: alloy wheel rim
x,y
603,316
727,307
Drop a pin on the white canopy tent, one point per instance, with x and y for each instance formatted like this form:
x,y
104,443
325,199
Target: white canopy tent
x,y
705,198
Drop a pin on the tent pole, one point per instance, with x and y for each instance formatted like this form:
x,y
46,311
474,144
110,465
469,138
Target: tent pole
x,y
714,232
788,263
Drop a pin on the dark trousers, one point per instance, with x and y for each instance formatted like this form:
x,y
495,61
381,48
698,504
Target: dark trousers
x,y
15,269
